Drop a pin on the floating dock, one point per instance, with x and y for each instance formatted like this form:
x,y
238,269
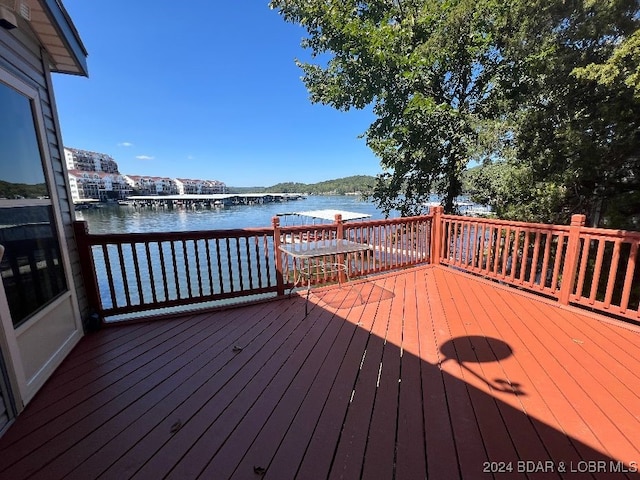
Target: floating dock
x,y
215,200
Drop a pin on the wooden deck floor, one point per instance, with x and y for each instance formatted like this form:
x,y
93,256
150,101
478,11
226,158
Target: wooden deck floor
x,y
427,373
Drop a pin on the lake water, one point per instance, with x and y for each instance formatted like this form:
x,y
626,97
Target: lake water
x,y
127,219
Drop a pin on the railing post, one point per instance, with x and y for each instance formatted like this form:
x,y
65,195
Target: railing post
x,y
340,236
87,266
278,254
570,267
436,234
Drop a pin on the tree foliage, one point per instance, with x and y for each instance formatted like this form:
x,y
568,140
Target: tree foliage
x,y
543,92
340,186
427,68
571,98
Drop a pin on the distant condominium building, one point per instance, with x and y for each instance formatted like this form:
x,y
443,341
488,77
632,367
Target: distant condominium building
x,y
86,185
203,187
87,161
94,176
147,185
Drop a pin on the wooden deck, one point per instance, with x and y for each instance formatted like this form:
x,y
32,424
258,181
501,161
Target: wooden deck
x,y
426,373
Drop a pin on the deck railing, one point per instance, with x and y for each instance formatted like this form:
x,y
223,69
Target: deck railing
x,y
137,272
607,277
595,268
130,273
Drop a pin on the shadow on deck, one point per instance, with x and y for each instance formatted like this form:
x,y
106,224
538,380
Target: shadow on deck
x,y
423,373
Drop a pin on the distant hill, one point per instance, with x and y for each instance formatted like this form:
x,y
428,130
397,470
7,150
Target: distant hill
x,y
340,186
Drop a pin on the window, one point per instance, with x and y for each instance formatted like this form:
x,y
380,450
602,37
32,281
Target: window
x,y
31,269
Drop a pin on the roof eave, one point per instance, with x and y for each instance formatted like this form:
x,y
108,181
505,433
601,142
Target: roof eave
x,y
76,61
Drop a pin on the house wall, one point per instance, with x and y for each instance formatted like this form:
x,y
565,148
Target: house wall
x,y
21,55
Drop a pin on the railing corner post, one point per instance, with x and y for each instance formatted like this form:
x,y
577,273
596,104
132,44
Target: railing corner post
x,y
87,267
278,254
340,227
570,266
436,234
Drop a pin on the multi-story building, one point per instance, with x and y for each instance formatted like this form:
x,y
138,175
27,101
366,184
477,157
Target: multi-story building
x,y
94,176
147,185
189,186
101,186
89,161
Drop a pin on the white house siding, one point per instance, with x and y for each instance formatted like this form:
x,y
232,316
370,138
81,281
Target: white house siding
x,y
21,56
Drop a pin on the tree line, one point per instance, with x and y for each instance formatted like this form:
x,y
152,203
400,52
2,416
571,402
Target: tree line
x,y
356,184
544,95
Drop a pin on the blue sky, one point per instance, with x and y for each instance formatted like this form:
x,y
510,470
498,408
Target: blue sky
x,y
205,90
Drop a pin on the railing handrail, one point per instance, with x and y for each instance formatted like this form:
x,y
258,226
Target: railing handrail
x,y
508,223
108,238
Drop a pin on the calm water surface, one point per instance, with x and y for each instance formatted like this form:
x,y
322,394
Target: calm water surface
x,y
127,219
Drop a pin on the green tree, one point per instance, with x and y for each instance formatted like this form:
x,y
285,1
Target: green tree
x,y
428,69
570,84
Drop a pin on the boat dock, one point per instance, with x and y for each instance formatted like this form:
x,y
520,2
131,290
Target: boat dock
x,y
216,200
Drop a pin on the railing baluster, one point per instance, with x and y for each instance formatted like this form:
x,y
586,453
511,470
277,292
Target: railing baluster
x,y
239,260
525,256
209,269
219,255
557,262
175,270
583,265
545,261
151,275
196,252
136,266
165,277
123,272
628,277
598,269
613,270
230,264
534,260
107,261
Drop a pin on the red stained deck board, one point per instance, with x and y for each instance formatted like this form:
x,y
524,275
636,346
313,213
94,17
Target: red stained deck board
x,y
291,451
565,391
379,459
104,375
310,385
521,373
441,450
129,399
484,359
324,439
121,432
492,441
163,446
243,427
551,379
347,462
410,458
64,415
611,424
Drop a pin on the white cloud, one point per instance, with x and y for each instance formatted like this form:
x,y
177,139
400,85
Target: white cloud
x,y
144,157
125,144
